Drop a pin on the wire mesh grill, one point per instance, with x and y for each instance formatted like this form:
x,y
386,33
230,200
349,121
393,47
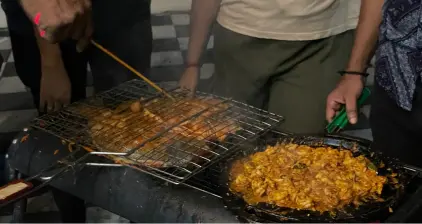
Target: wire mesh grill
x,y
172,140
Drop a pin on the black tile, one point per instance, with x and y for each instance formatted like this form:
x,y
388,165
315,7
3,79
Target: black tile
x,y
160,20
9,70
182,30
5,54
160,45
16,101
167,73
4,32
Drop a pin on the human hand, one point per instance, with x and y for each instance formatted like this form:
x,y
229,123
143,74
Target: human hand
x,y
54,16
55,88
190,78
346,93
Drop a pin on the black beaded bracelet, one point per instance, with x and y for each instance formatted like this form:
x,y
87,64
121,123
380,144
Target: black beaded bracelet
x,y
364,74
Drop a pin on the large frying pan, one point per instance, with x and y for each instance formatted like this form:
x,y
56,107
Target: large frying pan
x,y
392,191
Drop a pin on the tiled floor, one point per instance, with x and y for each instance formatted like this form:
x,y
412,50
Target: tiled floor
x,y
170,31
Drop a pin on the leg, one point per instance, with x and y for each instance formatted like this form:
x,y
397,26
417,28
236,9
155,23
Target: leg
x,y
27,63
130,38
396,131
241,71
24,47
306,77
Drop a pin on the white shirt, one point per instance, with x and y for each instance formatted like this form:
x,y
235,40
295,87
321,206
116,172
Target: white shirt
x,y
289,19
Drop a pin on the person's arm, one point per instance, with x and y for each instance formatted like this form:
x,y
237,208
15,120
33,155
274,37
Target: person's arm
x,y
366,35
50,52
350,86
203,13
55,89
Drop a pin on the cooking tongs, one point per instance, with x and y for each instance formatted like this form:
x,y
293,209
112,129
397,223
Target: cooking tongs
x,y
340,120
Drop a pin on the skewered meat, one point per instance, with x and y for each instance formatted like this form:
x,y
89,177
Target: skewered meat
x,y
305,178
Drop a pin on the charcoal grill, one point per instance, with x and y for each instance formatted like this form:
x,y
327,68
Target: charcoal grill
x,y
180,157
140,197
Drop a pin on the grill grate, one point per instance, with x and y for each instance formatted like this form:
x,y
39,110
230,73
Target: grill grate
x,y
135,125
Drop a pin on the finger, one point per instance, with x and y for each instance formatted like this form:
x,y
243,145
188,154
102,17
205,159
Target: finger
x,y
76,6
331,109
66,11
86,4
351,109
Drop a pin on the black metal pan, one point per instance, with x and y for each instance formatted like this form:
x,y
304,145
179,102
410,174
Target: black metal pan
x,y
392,191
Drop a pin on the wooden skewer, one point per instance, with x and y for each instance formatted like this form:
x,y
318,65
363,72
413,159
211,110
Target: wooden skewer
x,y
131,69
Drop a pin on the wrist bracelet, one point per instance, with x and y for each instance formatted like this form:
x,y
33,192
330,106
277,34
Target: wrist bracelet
x,y
364,74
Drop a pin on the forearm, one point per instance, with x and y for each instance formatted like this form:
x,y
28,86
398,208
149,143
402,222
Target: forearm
x,y
203,14
50,53
366,35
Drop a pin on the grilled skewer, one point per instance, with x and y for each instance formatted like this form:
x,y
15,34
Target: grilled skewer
x,y
131,69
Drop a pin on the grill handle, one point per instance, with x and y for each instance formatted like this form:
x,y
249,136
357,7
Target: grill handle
x,y
13,190
26,188
9,195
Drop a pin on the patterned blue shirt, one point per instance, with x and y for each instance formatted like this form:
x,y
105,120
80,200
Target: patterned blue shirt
x,y
398,64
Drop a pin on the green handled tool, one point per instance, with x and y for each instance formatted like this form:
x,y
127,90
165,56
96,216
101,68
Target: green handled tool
x,y
340,120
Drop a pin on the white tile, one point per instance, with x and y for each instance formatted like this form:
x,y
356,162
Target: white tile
x,y
3,21
163,32
183,43
210,44
5,43
159,6
166,58
3,65
207,70
11,58
11,85
16,120
180,19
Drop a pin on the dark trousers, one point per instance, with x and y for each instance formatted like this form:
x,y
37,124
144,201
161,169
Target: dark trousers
x,y
128,34
397,132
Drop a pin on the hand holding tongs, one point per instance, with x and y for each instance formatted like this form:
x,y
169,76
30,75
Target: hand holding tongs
x,y
340,120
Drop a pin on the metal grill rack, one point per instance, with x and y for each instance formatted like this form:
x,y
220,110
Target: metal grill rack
x,y
136,126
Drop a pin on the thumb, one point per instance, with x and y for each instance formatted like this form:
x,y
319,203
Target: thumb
x,y
351,109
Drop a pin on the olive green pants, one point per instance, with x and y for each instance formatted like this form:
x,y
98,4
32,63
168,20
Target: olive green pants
x,y
289,78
